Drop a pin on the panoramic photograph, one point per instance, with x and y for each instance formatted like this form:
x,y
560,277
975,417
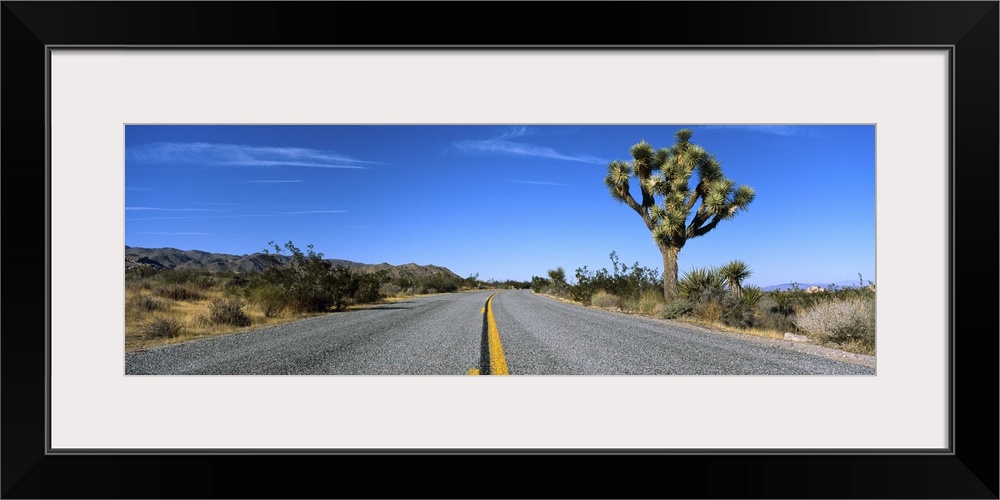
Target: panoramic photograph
x,y
470,250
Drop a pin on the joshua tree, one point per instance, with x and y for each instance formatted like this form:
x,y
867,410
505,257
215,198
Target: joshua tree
x,y
666,173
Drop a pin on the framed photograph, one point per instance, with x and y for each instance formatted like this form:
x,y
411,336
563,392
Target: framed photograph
x,y
116,108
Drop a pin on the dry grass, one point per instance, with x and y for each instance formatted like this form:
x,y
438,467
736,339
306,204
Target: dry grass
x,y
194,317
722,327
605,300
710,325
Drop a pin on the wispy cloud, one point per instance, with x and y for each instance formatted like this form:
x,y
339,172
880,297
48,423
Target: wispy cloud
x,y
276,181
173,234
204,153
503,146
206,217
782,130
242,216
518,132
158,209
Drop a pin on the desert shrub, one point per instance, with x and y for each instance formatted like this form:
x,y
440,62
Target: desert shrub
x,y
774,321
162,327
205,281
626,282
773,316
269,298
797,299
658,310
367,287
140,272
712,302
143,303
840,321
228,312
177,292
436,282
676,308
179,276
389,290
239,282
649,299
605,300
734,312
630,304
539,284
135,285
708,310
139,307
309,283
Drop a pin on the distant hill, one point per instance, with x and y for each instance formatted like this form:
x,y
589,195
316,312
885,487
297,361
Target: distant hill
x,y
803,286
172,258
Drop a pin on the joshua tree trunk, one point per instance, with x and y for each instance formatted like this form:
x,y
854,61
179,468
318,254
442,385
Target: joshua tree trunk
x,y
669,271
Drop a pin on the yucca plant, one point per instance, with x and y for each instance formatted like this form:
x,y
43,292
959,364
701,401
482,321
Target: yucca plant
x,y
750,295
699,280
734,273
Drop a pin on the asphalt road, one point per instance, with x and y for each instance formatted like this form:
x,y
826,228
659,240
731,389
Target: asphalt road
x,y
448,335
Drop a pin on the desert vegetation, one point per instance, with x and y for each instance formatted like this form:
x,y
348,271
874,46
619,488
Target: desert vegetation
x,y
171,305
681,193
718,297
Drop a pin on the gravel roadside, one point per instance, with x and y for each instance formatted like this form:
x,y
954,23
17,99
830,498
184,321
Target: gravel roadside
x,y
804,347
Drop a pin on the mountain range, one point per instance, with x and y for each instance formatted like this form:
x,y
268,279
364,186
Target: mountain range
x,y
172,258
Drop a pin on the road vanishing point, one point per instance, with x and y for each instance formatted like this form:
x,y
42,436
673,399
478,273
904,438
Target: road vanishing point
x,y
511,332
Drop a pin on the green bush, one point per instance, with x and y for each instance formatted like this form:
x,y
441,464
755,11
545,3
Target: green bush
x,y
177,292
539,284
179,276
228,312
269,298
139,272
239,282
437,282
719,305
773,316
734,312
310,284
676,308
206,281
629,283
366,287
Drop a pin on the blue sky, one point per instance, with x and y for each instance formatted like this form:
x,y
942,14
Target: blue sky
x,y
506,202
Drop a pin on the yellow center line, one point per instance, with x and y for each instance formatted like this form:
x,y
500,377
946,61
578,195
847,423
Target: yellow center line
x,y
498,362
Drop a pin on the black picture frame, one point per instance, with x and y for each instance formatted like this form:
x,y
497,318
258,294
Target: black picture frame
x,y
969,470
